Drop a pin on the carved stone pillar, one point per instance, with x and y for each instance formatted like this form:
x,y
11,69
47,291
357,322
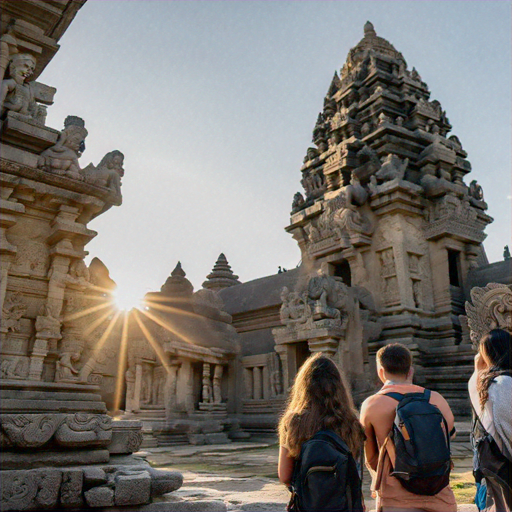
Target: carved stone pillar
x,y
207,384
130,389
170,389
248,383
283,356
137,387
187,378
256,373
47,330
8,212
266,382
217,377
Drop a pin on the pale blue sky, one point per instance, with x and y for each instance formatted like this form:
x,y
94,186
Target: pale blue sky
x,y
213,104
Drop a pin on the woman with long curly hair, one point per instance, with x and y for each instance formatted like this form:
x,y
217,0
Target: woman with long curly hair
x,y
490,390
319,401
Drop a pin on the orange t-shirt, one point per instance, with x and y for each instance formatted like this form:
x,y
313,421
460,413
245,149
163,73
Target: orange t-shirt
x,y
377,417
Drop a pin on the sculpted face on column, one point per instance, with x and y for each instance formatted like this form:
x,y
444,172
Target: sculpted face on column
x,y
17,93
21,68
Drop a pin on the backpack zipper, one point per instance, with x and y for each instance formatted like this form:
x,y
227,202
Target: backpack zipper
x,y
329,469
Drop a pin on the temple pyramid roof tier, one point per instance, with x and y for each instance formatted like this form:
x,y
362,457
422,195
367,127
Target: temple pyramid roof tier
x,y
221,276
378,125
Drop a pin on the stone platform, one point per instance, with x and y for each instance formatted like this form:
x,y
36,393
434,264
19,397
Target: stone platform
x,y
243,476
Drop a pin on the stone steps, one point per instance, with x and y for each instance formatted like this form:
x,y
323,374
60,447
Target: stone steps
x,y
168,439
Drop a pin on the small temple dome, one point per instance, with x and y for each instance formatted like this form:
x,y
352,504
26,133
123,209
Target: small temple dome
x,y
177,283
221,276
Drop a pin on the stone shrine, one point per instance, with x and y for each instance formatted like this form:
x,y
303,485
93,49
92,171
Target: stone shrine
x,y
60,448
183,363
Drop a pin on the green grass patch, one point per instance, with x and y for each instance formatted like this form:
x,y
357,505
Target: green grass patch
x,y
464,487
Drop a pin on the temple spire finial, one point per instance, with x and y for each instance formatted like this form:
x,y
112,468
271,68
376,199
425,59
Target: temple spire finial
x,y
178,271
369,29
177,284
221,276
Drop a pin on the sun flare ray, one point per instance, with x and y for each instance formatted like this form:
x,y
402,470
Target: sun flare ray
x,y
96,323
87,311
171,309
156,346
168,327
121,367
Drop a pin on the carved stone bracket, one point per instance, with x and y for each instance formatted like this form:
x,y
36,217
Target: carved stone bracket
x,y
491,309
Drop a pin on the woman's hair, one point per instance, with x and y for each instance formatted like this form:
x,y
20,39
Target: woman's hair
x,y
319,400
497,347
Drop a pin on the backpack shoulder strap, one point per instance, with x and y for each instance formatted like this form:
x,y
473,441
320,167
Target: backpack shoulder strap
x,y
332,438
426,394
396,396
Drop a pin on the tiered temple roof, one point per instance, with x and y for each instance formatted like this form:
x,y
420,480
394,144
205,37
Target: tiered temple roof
x,y
221,276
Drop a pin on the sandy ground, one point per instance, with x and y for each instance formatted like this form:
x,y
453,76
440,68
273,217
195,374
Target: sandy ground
x,y
244,475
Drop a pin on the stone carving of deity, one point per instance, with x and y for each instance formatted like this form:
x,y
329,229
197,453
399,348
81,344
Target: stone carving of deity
x,y
295,308
207,384
18,92
109,172
276,385
330,294
12,311
62,158
66,371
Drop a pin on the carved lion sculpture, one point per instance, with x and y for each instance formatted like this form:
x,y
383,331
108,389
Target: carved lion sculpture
x,y
393,168
476,191
109,172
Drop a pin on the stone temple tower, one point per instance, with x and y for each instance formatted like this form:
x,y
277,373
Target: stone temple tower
x,y
386,208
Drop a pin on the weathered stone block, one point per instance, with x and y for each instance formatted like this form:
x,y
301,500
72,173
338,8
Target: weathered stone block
x,y
126,437
71,489
30,489
100,497
163,481
196,439
134,489
219,438
211,427
94,477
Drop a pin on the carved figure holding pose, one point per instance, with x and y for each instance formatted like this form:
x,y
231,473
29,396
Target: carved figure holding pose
x,y
62,158
17,92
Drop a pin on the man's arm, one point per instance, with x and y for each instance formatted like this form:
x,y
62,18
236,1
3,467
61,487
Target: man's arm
x,y
371,448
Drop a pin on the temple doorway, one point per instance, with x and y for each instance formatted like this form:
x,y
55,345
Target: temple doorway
x,y
301,353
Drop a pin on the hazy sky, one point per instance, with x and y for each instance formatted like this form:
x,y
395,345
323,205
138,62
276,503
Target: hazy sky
x,y
213,104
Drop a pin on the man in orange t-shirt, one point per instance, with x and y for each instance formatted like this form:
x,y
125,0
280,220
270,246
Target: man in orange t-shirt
x,y
394,367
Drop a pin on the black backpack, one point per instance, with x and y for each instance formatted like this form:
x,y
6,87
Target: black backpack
x,y
489,462
422,444
325,477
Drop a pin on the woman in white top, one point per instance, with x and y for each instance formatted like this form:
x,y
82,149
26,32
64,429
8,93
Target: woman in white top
x,y
490,390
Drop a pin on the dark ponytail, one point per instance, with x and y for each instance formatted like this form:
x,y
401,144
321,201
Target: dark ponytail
x,y
497,346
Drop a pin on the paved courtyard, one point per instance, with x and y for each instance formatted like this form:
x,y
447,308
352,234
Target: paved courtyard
x,y
244,475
